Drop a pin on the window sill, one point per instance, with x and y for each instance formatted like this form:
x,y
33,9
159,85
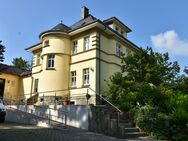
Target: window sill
x,y
36,65
85,86
46,46
73,87
50,68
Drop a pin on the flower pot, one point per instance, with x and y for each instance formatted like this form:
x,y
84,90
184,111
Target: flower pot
x,y
66,102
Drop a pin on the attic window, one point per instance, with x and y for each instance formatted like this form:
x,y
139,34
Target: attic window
x,y
46,43
117,29
122,33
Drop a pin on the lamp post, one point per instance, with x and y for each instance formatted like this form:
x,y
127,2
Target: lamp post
x,y
88,96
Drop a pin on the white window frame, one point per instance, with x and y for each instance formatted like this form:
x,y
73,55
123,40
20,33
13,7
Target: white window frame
x,y
118,49
117,28
86,42
38,59
86,76
122,32
51,61
73,78
75,47
127,52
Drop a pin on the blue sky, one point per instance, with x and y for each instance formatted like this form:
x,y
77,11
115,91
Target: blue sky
x,y
161,24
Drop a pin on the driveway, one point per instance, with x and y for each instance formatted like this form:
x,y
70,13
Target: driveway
x,y
21,132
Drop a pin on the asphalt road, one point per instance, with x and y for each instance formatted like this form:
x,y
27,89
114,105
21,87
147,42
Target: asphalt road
x,y
21,132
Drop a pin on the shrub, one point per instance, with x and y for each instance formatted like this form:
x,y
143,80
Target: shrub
x,y
160,125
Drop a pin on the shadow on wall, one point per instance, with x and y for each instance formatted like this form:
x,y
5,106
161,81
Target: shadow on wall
x,y
77,116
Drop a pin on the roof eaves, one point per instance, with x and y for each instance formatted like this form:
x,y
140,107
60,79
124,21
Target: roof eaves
x,y
33,46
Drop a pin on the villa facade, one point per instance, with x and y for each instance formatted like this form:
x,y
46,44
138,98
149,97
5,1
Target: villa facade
x,y
69,60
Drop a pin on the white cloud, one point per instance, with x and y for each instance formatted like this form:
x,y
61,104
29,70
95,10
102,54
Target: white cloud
x,y
169,41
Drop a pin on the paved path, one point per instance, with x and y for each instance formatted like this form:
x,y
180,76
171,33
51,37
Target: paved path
x,y
21,132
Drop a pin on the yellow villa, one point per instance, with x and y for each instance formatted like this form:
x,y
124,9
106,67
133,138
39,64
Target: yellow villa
x,y
73,61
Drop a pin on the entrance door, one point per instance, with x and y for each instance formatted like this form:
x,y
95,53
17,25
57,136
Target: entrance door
x,y
2,87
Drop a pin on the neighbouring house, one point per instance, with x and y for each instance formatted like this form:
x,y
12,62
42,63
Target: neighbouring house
x,y
73,61
11,82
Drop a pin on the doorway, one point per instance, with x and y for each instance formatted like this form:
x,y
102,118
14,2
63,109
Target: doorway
x,y
2,87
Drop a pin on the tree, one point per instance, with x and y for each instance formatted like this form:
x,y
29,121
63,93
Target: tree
x,y
149,66
144,78
2,50
186,70
21,63
151,91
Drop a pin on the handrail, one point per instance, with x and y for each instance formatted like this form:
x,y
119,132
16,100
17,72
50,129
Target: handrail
x,y
106,100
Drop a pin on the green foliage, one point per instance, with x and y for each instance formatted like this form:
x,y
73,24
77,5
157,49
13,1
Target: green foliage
x,y
161,125
21,63
186,70
2,50
155,96
150,67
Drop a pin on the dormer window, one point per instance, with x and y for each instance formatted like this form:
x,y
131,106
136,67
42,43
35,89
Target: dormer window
x,y
122,32
117,29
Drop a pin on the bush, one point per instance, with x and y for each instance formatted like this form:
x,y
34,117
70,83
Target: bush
x,y
160,125
179,125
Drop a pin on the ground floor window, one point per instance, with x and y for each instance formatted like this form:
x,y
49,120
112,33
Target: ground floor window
x,y
73,78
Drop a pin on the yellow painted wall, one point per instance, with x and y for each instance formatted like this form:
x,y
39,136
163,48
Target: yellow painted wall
x,y
65,62
57,78
25,87
109,61
12,83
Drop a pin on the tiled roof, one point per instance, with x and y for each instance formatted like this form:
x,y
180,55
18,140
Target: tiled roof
x,y
64,28
13,70
88,20
61,27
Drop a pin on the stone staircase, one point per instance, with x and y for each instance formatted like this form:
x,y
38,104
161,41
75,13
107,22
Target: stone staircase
x,y
126,127
128,130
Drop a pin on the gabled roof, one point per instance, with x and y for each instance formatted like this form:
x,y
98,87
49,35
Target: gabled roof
x,y
83,22
13,70
112,19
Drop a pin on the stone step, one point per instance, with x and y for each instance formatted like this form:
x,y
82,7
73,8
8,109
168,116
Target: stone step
x,y
123,121
135,134
131,129
126,125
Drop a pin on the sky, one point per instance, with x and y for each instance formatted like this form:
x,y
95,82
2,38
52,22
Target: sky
x,y
160,24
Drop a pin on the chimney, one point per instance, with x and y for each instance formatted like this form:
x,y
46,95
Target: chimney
x,y
85,12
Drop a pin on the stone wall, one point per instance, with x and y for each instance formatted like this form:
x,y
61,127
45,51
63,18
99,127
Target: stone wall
x,y
103,120
98,119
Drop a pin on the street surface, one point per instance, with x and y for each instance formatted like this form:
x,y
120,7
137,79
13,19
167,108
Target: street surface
x,y
21,132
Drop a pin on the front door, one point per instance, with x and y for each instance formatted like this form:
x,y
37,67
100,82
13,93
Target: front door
x,y
2,87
